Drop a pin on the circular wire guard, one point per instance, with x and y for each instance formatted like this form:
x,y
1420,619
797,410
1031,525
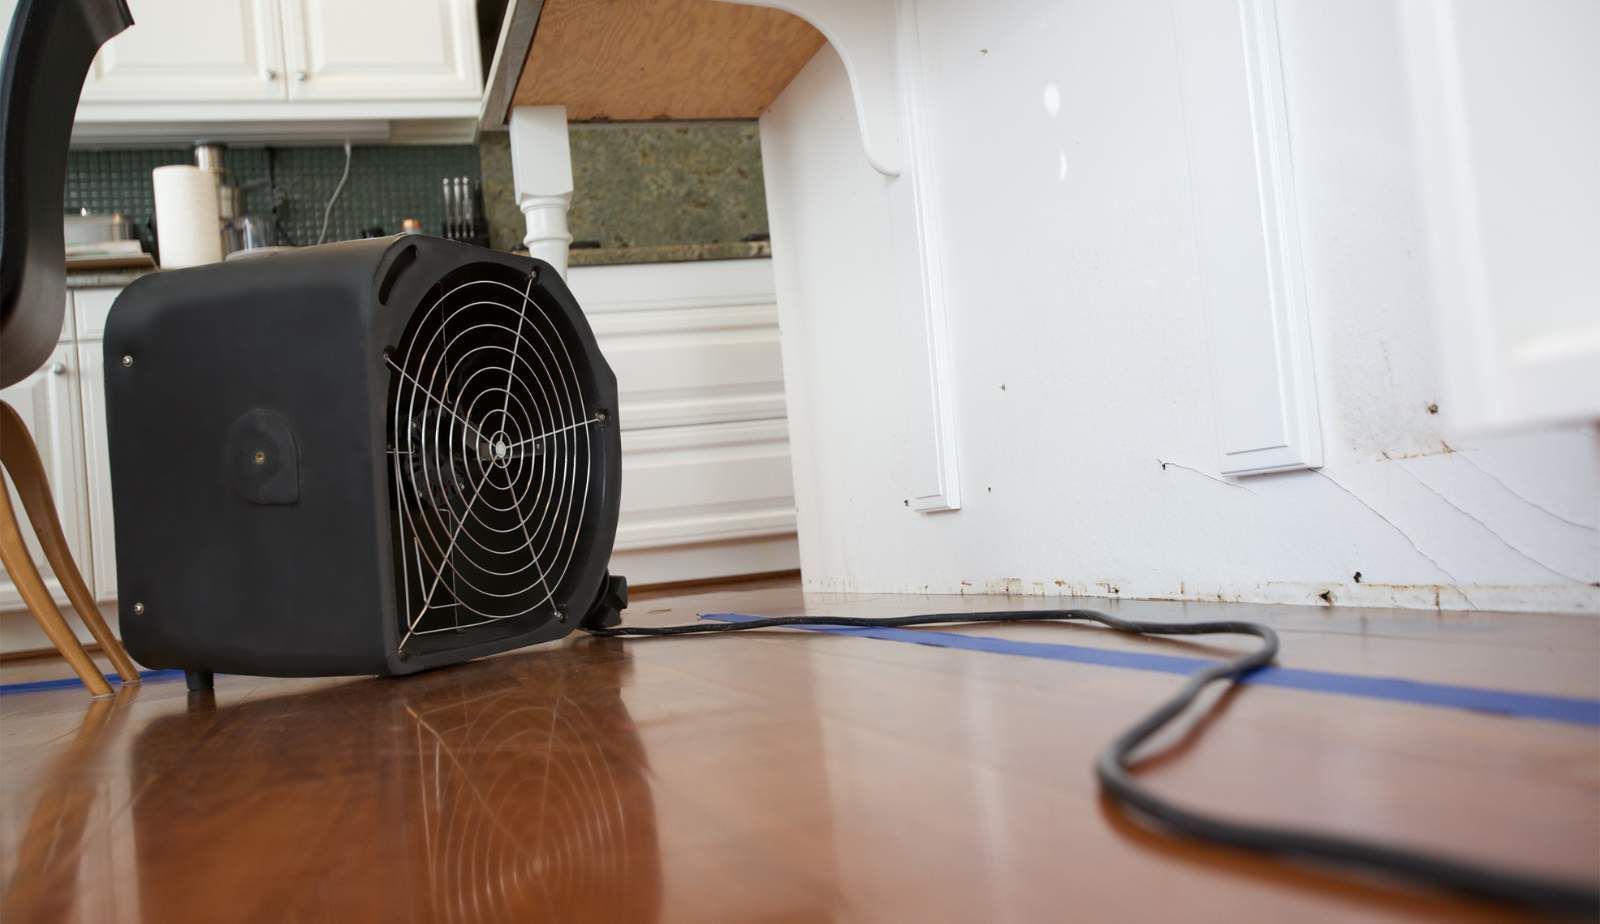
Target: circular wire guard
x,y
490,452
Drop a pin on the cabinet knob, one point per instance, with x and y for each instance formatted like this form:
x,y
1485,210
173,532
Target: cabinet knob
x,y
300,75
58,368
269,75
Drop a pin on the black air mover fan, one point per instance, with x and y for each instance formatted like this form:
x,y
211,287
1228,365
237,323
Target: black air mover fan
x,y
374,457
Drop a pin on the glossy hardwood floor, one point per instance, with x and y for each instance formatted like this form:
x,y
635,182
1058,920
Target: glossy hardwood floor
x,y
790,776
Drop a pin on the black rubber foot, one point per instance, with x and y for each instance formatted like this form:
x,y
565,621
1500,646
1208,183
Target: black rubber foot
x,y
199,681
607,611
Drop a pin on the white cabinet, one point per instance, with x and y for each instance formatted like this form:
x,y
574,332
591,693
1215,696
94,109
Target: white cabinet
x,y
91,307
48,403
254,71
408,49
343,50
188,50
707,490
63,407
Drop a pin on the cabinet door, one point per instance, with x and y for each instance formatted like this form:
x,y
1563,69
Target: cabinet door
x,y
398,49
92,307
192,51
1511,192
47,402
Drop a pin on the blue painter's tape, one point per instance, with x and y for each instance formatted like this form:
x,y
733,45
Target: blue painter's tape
x,y
34,686
1571,710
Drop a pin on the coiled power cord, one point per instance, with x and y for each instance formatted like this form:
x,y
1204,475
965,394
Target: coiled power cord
x,y
1112,765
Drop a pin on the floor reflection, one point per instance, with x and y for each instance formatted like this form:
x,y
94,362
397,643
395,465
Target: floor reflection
x,y
510,789
535,809
56,838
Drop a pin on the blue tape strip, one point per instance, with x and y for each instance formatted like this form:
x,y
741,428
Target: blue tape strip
x,y
33,686
1571,710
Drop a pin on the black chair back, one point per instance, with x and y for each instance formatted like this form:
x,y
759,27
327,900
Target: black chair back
x,y
48,52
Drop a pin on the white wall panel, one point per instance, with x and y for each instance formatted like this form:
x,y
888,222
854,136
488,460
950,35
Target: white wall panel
x,y
1509,135
1090,445
1246,220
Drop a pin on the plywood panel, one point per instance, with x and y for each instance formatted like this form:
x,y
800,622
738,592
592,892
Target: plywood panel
x,y
630,60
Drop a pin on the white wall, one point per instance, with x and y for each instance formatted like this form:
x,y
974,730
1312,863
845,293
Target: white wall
x,y
1079,339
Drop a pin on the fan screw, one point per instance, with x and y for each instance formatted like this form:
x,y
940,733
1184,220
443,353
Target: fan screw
x,y
601,415
138,609
127,360
260,457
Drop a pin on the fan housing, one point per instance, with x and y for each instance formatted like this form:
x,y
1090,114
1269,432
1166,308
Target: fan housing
x,y
370,457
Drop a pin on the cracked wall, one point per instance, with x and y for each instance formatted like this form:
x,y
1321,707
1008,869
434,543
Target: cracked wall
x,y
1087,428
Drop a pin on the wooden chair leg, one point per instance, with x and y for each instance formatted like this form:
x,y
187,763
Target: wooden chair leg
x,y
21,458
14,555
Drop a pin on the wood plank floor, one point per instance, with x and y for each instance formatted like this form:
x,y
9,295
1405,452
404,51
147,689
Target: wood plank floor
x,y
792,776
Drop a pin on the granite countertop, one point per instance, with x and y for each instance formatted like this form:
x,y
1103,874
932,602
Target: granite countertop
x,y
103,279
596,256
668,253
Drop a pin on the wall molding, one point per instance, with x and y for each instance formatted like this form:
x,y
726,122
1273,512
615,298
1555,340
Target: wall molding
x,y
1247,236
879,42
865,34
920,282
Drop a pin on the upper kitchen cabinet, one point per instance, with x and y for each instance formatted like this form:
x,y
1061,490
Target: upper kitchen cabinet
x,y
192,51
408,49
285,70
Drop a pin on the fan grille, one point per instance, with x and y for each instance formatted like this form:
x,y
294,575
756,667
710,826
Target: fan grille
x,y
491,456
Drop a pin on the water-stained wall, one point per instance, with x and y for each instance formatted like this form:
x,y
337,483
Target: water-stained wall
x,y
1088,439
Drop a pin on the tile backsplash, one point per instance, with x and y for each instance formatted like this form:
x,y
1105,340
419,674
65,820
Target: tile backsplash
x,y
635,184
387,184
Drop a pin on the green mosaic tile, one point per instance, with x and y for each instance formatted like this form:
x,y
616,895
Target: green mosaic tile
x,y
387,184
117,181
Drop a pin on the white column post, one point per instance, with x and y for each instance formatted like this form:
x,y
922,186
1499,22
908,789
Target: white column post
x,y
541,174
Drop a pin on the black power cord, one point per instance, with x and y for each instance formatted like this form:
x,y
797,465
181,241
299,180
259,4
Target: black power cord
x,y
1112,765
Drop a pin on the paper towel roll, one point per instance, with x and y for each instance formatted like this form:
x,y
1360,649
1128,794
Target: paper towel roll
x,y
187,223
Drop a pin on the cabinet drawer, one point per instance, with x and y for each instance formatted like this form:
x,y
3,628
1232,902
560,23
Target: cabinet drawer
x,y
91,307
